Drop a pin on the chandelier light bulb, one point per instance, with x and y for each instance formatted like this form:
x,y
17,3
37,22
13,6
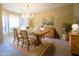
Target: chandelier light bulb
x,y
28,13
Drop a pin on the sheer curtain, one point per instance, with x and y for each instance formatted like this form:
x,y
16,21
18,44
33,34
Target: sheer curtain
x,y
5,23
23,22
13,22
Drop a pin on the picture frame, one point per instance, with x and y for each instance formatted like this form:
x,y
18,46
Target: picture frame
x,y
48,21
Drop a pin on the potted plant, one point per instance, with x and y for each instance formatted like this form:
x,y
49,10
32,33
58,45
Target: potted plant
x,y
66,29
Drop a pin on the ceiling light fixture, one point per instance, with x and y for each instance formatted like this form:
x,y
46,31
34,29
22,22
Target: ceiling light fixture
x,y
28,13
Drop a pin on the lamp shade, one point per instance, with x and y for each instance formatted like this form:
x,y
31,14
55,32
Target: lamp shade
x,y
74,26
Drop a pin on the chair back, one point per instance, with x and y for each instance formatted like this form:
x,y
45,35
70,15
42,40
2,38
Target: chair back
x,y
24,35
15,33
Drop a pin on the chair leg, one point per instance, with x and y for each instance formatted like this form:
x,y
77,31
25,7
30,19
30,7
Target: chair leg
x,y
14,40
22,44
34,45
17,42
28,48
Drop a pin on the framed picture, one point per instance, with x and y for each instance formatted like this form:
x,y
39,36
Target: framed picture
x,y
48,20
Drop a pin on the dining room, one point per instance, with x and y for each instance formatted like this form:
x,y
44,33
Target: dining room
x,y
33,31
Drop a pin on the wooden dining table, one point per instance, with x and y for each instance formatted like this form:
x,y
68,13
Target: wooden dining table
x,y
38,36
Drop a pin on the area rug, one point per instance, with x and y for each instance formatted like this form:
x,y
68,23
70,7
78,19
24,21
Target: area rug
x,y
44,49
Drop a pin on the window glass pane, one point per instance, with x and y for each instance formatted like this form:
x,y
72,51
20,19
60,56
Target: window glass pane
x,y
13,22
23,22
4,23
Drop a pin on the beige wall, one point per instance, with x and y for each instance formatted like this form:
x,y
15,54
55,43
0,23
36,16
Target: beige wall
x,y
61,14
76,9
1,34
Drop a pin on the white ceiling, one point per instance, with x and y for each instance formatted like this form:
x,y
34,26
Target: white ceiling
x,y
33,7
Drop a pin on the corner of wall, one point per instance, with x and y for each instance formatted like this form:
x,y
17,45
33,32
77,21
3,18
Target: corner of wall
x,y
1,32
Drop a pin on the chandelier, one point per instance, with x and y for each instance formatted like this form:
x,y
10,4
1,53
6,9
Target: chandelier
x,y
28,13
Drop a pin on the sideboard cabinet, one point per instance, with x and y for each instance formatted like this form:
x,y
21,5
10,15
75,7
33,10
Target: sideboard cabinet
x,y
74,43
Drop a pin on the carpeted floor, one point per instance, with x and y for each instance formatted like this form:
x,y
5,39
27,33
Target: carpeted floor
x,y
61,48
43,49
7,50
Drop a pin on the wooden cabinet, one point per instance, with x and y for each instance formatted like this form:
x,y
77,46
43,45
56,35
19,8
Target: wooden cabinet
x,y
74,43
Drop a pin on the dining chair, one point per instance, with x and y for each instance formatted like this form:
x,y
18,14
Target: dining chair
x,y
26,40
17,36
